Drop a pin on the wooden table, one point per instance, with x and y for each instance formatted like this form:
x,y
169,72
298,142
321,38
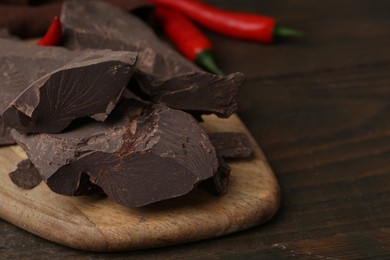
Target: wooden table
x,y
319,108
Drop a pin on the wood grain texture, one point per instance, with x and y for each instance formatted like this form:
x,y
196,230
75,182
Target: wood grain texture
x,y
97,224
319,109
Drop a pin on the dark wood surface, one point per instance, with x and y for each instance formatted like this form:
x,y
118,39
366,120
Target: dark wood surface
x,y
319,108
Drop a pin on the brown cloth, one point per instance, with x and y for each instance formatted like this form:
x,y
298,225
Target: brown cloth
x,y
28,19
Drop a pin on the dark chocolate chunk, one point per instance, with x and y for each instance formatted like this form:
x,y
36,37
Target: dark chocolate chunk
x,y
26,176
88,85
20,65
5,138
231,145
199,93
219,183
162,74
28,21
143,153
86,187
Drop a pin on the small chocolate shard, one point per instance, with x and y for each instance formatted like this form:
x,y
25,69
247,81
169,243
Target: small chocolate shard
x,y
142,154
26,176
231,145
5,137
219,183
88,85
162,74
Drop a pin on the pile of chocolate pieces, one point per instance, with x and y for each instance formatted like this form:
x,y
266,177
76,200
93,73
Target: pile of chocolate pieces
x,y
114,111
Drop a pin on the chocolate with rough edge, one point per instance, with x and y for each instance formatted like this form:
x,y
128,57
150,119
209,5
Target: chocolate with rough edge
x,y
88,85
219,183
143,153
20,65
26,176
162,74
199,93
32,20
231,145
5,138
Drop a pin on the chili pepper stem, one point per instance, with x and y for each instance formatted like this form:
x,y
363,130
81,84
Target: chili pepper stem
x,y
205,60
282,32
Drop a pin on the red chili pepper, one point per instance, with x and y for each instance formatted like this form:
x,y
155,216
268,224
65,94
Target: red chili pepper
x,y
187,38
238,25
53,35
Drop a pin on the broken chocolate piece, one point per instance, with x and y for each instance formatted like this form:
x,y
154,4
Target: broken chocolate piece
x,y
5,138
162,74
86,187
20,65
143,153
219,183
199,93
29,21
26,176
88,85
231,145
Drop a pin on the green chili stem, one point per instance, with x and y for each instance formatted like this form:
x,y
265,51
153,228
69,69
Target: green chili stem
x,y
206,61
282,32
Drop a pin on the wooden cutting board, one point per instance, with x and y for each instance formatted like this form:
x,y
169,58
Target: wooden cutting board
x,y
96,224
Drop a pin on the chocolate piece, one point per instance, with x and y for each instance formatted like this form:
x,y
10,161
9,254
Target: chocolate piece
x,y
26,176
90,84
142,154
231,145
20,65
86,187
219,183
33,21
5,138
162,74
198,93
